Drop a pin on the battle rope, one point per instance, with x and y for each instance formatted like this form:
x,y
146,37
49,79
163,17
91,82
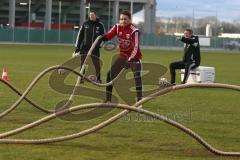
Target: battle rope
x,y
116,117
37,78
82,69
80,76
136,107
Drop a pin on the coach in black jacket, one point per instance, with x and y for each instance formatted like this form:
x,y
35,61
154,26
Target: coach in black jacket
x,y
191,58
87,34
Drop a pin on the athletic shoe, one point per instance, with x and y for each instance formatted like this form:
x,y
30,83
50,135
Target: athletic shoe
x,y
106,101
165,83
81,81
99,81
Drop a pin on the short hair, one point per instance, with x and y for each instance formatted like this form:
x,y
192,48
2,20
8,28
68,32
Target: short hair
x,y
127,13
189,30
92,11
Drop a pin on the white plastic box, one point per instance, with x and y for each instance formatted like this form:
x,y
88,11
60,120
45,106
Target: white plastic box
x,y
200,74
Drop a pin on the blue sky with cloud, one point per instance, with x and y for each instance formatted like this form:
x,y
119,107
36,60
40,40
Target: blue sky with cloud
x,y
225,10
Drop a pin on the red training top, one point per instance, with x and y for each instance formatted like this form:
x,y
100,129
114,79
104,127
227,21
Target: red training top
x,y
128,40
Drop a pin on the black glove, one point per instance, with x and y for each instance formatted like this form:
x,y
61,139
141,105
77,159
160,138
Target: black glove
x,y
127,65
103,38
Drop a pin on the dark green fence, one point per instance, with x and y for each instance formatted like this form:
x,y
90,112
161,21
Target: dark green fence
x,y
24,35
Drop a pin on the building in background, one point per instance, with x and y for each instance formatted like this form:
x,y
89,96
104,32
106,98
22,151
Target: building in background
x,y
48,14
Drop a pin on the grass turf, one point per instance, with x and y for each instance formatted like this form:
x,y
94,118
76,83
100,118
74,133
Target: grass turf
x,y
212,113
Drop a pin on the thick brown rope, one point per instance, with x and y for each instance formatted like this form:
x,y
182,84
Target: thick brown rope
x,y
80,76
14,89
116,117
93,129
34,82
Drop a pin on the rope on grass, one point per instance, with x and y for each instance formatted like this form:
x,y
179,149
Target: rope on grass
x,y
34,82
135,108
80,76
14,89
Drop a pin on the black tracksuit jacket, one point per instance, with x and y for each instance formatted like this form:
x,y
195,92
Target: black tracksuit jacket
x,y
191,50
87,34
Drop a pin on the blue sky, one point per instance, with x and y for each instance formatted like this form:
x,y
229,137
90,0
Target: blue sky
x,y
225,10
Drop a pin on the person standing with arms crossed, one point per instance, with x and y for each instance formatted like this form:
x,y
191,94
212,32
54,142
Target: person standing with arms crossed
x,y
87,34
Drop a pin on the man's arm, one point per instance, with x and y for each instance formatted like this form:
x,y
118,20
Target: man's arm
x,y
80,37
110,34
102,29
191,40
135,43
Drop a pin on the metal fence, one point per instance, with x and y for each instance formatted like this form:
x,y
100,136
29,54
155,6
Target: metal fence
x,y
25,35
37,35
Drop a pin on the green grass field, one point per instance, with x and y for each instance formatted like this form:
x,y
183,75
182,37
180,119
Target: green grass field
x,y
212,113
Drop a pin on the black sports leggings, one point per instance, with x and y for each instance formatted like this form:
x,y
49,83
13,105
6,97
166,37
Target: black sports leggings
x,y
117,66
181,65
96,62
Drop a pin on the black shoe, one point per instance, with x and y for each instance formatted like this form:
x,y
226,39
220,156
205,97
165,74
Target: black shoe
x,y
99,81
81,81
107,101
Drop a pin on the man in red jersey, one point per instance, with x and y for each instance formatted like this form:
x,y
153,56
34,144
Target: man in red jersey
x,y
129,52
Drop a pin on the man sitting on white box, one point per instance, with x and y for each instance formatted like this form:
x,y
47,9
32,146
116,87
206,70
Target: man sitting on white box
x,y
191,58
